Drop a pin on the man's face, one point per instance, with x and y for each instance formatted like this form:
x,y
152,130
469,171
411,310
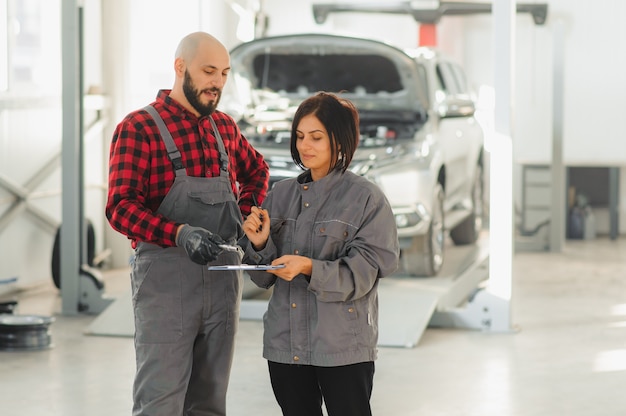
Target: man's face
x,y
204,101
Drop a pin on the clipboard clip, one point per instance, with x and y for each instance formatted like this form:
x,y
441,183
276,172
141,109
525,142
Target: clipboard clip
x,y
244,266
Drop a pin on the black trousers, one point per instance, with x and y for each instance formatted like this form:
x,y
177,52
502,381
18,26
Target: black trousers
x,y
344,390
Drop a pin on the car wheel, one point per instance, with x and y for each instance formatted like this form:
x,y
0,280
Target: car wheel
x,y
468,230
425,255
56,252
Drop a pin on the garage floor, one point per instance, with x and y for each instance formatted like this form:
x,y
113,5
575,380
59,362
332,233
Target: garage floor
x,y
568,356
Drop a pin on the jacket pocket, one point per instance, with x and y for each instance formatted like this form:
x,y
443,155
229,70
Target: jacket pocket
x,y
339,327
211,197
331,239
157,297
217,211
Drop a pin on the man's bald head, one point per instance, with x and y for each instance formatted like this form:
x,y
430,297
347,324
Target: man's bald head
x,y
190,44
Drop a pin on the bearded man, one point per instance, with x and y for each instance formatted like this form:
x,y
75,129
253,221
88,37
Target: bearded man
x,y
181,180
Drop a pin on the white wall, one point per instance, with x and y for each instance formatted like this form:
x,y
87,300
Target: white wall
x,y
155,28
594,82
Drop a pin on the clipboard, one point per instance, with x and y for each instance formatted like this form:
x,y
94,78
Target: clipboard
x,y
246,267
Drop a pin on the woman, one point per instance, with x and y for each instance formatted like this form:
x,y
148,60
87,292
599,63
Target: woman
x,y
334,234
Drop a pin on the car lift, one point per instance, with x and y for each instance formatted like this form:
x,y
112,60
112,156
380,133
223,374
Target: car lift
x,y
82,289
430,11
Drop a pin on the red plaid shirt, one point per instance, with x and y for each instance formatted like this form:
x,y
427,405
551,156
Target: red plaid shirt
x,y
141,174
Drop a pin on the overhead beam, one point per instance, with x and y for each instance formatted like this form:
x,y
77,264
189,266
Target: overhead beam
x,y
425,11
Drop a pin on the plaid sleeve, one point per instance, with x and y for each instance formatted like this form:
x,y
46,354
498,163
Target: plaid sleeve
x,y
130,208
247,164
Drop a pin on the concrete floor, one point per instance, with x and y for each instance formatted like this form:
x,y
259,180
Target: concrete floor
x,y
567,357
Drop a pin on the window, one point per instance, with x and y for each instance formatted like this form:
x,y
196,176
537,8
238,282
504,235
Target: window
x,y
4,57
30,47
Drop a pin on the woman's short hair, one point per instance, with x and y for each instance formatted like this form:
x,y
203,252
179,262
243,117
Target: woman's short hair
x,y
339,117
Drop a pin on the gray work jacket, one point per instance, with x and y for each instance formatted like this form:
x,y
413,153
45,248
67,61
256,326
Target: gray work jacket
x,y
344,223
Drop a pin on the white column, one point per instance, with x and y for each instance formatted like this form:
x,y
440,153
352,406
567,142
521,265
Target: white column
x,y
501,169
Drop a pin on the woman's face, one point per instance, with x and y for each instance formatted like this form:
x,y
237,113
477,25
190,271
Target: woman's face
x,y
313,145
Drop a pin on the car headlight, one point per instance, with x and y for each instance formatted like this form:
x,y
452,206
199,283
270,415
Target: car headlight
x,y
407,219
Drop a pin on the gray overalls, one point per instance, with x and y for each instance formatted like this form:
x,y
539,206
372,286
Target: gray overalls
x,y
185,315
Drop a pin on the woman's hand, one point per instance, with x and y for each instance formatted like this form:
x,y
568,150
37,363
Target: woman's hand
x,y
294,265
257,227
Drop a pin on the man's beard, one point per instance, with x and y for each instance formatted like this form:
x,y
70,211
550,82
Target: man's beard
x,y
193,96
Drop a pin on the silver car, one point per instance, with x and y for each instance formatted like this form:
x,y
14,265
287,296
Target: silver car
x,y
419,139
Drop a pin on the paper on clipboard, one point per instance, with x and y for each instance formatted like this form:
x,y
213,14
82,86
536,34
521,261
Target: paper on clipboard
x,y
247,267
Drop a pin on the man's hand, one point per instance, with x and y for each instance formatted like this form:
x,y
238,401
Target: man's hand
x,y
202,246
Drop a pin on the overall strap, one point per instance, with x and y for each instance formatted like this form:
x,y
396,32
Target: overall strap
x,y
172,150
221,148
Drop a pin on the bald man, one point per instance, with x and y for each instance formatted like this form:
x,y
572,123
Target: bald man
x,y
181,180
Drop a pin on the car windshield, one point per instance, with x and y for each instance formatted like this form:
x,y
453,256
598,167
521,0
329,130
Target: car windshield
x,y
303,74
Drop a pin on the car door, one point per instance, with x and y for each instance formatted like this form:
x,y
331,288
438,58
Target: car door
x,y
457,132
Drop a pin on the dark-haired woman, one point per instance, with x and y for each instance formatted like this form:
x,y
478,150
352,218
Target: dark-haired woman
x,y
335,234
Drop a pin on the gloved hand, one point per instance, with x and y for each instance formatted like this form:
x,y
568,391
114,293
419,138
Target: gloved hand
x,y
202,246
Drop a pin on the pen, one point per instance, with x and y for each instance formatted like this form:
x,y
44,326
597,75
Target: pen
x,y
254,201
228,247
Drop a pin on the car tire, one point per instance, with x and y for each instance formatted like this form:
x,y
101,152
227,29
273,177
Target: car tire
x,y
468,230
424,258
56,252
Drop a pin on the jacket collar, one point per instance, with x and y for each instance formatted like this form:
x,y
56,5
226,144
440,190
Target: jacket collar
x,y
327,182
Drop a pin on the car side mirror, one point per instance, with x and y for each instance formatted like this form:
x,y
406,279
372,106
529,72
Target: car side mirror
x,y
456,107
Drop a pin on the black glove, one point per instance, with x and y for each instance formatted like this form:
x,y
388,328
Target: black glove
x,y
202,246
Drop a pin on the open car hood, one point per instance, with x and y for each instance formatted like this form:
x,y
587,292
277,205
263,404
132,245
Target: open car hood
x,y
275,74
271,76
